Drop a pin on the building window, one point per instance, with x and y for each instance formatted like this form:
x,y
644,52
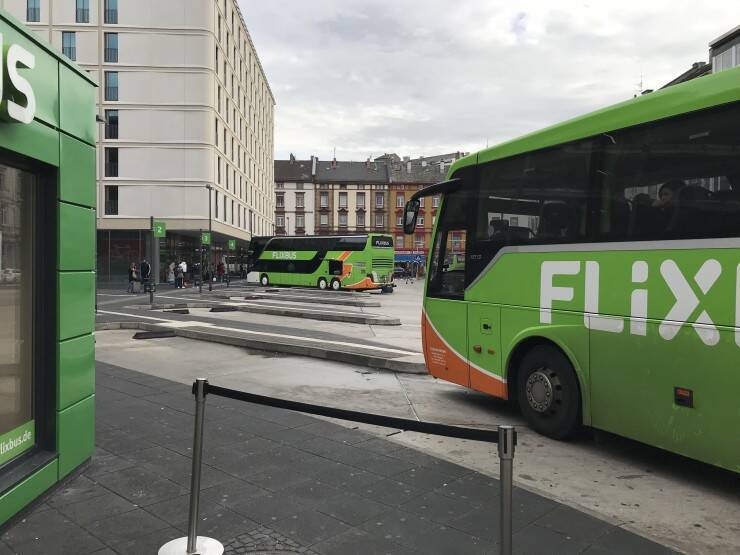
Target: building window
x,y
435,202
111,124
299,200
324,219
111,11
69,44
300,221
111,47
324,200
280,200
379,220
343,200
280,221
399,221
111,85
33,11
419,241
218,170
379,200
343,219
361,219
421,202
400,201
420,221
360,200
82,14
399,241
111,162
111,200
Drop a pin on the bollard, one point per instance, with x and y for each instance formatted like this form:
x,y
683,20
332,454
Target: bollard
x,y
195,544
506,477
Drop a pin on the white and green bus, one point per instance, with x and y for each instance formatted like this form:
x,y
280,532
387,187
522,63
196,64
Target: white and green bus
x,y
601,275
356,262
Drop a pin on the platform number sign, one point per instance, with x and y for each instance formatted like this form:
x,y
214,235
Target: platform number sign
x,y
160,229
205,238
232,244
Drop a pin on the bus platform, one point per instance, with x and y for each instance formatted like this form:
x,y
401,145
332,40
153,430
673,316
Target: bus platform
x,y
277,482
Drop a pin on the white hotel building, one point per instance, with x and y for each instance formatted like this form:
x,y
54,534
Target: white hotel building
x,y
189,113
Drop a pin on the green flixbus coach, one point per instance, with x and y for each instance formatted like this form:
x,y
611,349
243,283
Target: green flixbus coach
x,y
356,262
601,274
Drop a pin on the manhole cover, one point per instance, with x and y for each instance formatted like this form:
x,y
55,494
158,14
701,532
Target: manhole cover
x,y
264,541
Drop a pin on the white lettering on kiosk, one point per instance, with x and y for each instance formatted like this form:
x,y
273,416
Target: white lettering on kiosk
x,y
16,57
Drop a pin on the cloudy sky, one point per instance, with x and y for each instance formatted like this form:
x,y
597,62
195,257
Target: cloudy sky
x,y
422,77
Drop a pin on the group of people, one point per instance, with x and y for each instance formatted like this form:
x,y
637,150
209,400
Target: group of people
x,y
177,273
138,274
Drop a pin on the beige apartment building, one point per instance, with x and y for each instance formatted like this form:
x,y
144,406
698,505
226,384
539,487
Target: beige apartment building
x,y
188,115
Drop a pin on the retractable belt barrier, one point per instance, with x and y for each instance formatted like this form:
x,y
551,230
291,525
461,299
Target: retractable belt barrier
x,y
504,436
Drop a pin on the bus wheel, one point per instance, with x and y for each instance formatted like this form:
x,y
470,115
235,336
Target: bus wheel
x,y
548,393
264,280
336,285
322,283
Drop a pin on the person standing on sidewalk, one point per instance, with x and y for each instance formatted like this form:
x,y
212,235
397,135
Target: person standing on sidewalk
x,y
178,277
146,272
184,268
131,277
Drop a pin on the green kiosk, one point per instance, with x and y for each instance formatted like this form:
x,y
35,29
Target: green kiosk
x,y
47,267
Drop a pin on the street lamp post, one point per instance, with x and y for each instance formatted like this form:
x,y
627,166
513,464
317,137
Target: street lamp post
x,y
210,232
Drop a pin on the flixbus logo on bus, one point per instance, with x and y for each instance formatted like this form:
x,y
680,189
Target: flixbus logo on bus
x,y
686,302
284,255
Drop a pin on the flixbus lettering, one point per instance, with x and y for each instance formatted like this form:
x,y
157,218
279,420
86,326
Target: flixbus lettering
x,y
15,56
686,302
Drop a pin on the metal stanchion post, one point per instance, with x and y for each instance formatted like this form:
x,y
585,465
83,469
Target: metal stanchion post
x,y
506,477
194,544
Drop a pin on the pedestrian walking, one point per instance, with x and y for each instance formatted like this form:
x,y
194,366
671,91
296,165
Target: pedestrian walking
x,y
178,277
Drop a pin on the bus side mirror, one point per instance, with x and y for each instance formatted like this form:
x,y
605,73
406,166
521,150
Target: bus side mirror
x,y
409,218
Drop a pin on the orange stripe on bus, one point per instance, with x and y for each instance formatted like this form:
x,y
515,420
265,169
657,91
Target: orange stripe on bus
x,y
442,362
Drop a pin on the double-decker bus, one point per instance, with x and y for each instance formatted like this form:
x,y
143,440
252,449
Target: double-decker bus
x,y
601,275
358,262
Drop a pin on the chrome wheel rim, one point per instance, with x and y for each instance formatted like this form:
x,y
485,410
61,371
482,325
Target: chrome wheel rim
x,y
542,390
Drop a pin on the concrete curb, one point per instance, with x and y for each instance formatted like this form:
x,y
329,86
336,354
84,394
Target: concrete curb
x,y
290,312
309,299
407,365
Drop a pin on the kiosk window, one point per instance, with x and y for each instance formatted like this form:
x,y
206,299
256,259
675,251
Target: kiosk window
x,y
17,199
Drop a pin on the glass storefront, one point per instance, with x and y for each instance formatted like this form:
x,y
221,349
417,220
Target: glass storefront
x,y
17,201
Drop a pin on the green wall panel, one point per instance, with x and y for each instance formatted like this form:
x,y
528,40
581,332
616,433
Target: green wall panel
x,y
76,370
77,224
26,491
76,435
76,304
77,172
77,101
34,140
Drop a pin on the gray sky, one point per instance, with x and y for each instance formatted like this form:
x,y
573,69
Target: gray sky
x,y
422,77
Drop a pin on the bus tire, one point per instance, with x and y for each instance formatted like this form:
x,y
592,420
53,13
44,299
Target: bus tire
x,y
548,393
322,284
264,280
336,285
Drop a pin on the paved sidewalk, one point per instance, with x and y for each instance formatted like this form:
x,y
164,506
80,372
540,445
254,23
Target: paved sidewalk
x,y
276,481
